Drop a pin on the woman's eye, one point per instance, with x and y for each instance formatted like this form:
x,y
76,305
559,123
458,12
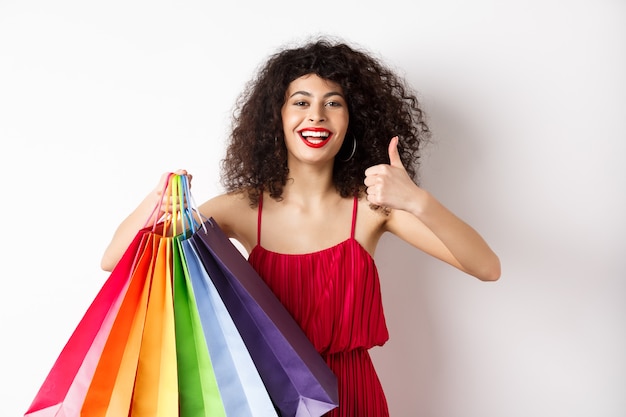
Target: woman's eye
x,y
300,103
333,104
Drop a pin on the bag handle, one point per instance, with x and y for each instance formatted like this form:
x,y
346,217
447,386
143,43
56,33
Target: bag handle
x,y
181,210
191,207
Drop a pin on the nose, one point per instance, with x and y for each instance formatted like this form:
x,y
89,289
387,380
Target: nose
x,y
316,113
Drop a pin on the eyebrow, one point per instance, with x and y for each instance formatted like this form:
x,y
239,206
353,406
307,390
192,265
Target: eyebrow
x,y
306,93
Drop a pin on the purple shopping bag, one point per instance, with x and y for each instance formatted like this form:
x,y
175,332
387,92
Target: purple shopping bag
x,y
298,380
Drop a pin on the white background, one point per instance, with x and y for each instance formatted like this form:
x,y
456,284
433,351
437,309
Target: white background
x,y
527,100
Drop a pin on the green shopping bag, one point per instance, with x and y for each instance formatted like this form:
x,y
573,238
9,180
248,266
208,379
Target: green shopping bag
x,y
197,387
198,391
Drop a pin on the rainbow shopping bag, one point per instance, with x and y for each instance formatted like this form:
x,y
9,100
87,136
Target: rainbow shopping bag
x,y
184,327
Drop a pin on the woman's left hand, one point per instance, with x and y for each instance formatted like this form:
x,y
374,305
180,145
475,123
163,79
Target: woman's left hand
x,y
425,223
389,185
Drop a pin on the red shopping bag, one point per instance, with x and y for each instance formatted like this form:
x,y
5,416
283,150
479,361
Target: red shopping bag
x,y
64,389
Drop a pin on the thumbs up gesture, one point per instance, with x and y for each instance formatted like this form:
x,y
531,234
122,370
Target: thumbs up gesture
x,y
389,185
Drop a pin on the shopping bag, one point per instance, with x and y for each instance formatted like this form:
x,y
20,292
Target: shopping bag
x,y
137,373
155,393
199,395
226,372
241,387
295,375
111,389
63,391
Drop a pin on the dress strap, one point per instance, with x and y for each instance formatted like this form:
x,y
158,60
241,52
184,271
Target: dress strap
x,y
258,226
354,209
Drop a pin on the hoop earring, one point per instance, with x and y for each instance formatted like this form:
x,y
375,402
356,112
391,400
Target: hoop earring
x,y
353,150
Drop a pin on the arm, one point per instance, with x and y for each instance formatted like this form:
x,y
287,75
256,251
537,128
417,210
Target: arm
x,y
418,218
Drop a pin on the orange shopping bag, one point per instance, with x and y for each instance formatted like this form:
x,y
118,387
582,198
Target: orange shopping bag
x,y
156,385
110,391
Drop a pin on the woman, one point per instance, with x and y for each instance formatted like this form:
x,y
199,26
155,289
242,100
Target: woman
x,y
322,160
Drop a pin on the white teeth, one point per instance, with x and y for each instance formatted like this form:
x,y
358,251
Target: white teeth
x,y
308,133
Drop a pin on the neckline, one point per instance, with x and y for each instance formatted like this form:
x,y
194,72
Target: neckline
x,y
260,247
343,242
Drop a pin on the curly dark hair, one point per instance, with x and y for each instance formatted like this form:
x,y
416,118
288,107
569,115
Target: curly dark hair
x,y
380,106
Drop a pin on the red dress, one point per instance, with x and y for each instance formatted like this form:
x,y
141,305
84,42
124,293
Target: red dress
x,y
334,295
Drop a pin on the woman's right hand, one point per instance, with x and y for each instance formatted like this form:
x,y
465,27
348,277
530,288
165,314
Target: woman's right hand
x,y
163,200
150,210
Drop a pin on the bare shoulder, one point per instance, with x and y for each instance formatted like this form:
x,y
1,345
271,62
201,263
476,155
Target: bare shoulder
x,y
234,215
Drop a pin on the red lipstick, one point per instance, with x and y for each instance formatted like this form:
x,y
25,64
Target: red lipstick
x,y
315,137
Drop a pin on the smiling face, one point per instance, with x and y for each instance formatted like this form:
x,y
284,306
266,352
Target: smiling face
x,y
315,118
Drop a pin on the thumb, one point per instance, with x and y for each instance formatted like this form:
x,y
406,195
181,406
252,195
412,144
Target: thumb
x,y
394,155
